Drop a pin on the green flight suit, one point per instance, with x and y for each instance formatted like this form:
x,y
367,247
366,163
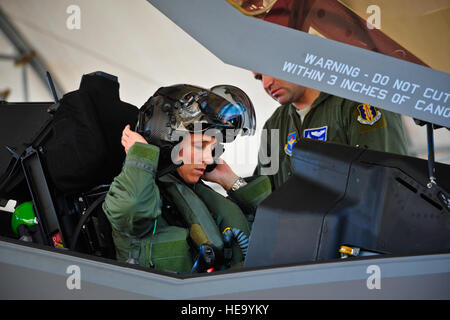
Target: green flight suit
x,y
134,203
332,119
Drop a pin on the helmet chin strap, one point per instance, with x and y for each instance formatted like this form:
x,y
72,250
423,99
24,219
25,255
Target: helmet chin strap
x,y
166,157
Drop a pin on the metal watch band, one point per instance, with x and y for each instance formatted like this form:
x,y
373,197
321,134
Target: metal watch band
x,y
237,184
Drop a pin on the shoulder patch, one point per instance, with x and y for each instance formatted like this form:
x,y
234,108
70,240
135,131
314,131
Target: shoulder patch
x,y
369,118
291,140
368,114
316,133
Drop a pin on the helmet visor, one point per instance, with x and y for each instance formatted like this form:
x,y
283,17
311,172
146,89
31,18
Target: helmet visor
x,y
239,111
222,107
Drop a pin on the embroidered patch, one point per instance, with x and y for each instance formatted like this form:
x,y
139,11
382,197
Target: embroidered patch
x,y
368,115
291,140
316,133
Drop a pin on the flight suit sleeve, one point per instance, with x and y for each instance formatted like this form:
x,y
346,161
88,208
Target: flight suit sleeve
x,y
375,128
133,200
252,194
258,186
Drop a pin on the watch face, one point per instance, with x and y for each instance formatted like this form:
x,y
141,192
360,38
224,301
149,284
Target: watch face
x,y
239,182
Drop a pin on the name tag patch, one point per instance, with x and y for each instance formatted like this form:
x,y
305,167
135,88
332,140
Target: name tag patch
x,y
316,133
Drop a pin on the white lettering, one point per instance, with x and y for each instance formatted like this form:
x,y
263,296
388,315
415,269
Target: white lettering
x,y
378,78
447,113
328,64
189,310
359,87
288,66
399,98
374,280
245,309
74,20
319,63
374,21
405,86
429,108
74,280
270,160
436,95
310,58
417,104
332,81
437,109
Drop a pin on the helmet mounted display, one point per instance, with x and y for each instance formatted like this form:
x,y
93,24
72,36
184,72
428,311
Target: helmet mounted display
x,y
179,109
224,111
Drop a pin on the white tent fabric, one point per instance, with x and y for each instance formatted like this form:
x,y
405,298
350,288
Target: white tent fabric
x,y
145,50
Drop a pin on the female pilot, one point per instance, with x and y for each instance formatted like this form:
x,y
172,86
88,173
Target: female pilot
x,y
161,213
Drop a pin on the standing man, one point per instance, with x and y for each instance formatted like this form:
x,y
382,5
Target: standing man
x,y
308,113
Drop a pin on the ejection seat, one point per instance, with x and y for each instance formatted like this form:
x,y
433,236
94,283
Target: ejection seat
x,y
62,156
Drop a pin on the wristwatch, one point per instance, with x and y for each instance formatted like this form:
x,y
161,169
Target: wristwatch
x,y
237,184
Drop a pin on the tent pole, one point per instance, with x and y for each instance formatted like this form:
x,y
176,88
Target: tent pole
x,y
24,49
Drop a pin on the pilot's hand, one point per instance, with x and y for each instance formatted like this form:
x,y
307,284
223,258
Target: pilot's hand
x,y
222,174
129,137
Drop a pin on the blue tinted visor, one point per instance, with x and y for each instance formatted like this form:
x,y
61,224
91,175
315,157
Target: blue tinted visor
x,y
239,112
